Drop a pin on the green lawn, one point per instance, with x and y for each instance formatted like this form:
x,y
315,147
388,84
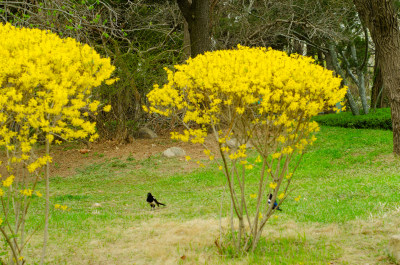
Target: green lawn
x,y
349,184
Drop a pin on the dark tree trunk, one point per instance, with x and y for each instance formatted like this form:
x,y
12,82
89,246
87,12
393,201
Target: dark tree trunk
x,y
196,14
379,95
380,16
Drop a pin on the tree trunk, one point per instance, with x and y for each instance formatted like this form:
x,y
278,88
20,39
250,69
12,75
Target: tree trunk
x,y
196,14
379,95
334,62
186,40
380,16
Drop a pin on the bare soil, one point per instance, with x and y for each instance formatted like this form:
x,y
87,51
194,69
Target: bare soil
x,y
68,157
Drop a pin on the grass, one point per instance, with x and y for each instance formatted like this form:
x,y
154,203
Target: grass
x,y
349,183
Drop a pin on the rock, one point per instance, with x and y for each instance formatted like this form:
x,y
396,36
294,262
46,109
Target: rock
x,y
174,151
233,144
96,205
394,247
146,133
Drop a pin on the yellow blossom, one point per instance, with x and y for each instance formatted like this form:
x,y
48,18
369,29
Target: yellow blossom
x,y
107,108
225,149
253,195
9,181
276,155
297,198
61,207
281,196
273,185
249,167
26,192
288,176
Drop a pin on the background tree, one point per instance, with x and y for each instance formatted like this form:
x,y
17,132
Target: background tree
x,y
197,16
381,18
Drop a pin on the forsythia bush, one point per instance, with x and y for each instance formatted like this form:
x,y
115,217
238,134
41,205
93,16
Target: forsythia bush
x,y
256,96
45,89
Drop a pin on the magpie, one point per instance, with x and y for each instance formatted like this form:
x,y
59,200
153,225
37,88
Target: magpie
x,y
152,201
275,203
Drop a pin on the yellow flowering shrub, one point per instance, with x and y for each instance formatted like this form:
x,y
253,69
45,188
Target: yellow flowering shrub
x,y
255,96
45,93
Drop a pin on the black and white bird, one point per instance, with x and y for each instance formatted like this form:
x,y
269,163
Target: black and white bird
x,y
275,203
152,201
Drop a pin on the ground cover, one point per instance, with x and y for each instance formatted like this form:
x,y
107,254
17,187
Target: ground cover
x,y
349,183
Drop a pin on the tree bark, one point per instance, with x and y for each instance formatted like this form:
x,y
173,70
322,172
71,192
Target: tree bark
x,y
380,16
197,15
379,95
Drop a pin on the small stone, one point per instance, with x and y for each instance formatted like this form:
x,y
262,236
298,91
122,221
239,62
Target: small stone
x,y
96,205
232,143
394,247
174,151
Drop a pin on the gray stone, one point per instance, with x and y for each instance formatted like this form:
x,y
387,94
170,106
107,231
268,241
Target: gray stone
x,y
146,133
394,247
174,151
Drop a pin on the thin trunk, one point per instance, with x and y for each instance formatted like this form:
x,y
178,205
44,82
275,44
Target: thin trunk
x,y
361,81
232,225
349,96
47,210
186,40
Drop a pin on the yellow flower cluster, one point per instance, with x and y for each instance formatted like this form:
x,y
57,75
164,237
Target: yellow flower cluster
x,y
41,161
268,89
192,135
8,181
61,207
45,87
26,192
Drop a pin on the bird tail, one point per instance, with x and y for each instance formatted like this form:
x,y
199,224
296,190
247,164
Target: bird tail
x,y
159,203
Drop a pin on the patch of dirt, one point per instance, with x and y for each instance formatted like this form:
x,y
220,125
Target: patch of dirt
x,y
67,157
